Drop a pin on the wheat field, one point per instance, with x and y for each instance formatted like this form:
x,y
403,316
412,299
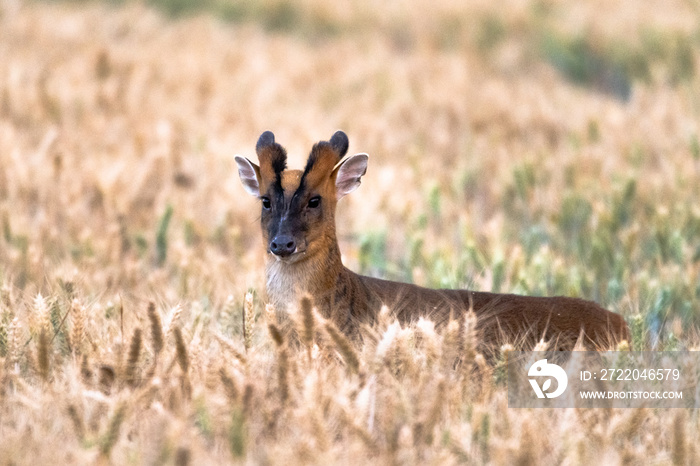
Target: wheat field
x,y
535,147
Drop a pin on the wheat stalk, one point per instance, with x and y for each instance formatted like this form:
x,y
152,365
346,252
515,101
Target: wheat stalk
x,y
229,345
248,321
229,307
111,436
183,359
345,348
41,315
450,344
229,385
432,416
43,355
486,374
183,456
527,453
282,363
276,334
78,325
541,346
157,336
133,358
629,425
13,343
679,448
270,314
501,367
425,329
402,360
387,342
283,374
307,324
105,378
85,371
470,338
248,391
172,321
77,420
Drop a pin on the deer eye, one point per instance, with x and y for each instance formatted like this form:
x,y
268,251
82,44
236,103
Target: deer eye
x,y
314,202
266,203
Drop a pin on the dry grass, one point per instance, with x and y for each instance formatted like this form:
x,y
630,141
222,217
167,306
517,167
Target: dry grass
x,y
128,331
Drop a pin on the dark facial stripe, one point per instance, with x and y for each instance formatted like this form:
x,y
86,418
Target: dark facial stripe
x,y
278,192
313,157
279,158
316,152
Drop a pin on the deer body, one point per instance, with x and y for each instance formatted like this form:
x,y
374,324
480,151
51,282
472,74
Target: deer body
x,y
298,224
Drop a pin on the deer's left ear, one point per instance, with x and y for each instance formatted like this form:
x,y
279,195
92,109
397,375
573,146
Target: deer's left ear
x,y
249,174
348,174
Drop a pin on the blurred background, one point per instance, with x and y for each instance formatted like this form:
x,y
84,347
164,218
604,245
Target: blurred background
x,y
539,147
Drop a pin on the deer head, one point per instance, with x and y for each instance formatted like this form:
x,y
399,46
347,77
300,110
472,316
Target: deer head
x,y
298,206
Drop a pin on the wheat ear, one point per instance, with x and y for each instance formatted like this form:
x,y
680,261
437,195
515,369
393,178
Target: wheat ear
x,y
157,335
344,347
133,358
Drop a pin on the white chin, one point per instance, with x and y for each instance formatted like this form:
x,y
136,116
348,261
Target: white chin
x,y
293,257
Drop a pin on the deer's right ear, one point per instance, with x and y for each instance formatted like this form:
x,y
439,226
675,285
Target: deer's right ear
x,y
249,174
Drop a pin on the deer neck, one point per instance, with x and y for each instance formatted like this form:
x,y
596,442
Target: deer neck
x,y
317,276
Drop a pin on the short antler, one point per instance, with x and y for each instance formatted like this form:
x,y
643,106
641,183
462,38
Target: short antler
x,y
266,139
272,156
339,143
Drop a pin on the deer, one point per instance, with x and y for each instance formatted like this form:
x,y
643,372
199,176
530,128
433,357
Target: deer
x,y
298,225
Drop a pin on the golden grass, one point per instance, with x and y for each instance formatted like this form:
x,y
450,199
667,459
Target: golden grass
x,y
128,331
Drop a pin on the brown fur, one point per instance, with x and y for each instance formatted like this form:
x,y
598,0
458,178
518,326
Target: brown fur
x,y
351,300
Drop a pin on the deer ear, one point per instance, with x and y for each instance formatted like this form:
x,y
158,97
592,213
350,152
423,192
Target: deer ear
x,y
348,174
249,174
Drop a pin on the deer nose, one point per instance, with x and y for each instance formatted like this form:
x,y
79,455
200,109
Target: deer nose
x,y
283,245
